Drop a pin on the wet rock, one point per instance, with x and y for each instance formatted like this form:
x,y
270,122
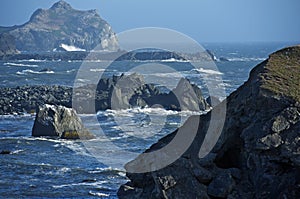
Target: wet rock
x,y
280,124
59,121
221,185
5,152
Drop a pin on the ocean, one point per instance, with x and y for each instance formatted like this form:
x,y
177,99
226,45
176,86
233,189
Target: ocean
x,y
56,168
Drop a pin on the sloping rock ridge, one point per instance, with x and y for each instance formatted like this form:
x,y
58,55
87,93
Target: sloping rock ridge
x,y
258,152
61,26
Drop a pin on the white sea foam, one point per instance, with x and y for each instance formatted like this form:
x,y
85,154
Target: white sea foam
x,y
207,71
152,111
97,69
95,184
19,64
174,60
71,48
24,72
247,59
99,194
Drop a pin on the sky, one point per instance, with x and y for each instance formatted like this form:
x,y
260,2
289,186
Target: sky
x,y
202,20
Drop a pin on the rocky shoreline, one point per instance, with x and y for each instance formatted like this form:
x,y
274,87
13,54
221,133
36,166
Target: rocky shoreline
x,y
257,154
117,92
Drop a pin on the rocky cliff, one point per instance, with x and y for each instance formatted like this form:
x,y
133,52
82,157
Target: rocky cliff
x,y
258,152
7,45
62,26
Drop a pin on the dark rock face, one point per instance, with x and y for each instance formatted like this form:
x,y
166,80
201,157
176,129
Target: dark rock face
x,y
122,92
118,92
62,25
257,155
59,121
7,45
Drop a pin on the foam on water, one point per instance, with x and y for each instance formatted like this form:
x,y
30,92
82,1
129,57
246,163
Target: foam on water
x,y
24,72
20,65
207,71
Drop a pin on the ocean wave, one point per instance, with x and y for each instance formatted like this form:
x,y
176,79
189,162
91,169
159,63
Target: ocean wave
x,y
151,111
99,194
96,184
20,65
71,71
207,71
174,60
107,169
24,72
247,59
97,69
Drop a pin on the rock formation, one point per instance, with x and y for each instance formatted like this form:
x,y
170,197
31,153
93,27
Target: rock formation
x,y
61,25
117,92
59,121
257,154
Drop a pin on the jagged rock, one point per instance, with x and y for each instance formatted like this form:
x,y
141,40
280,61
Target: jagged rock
x,y
257,154
127,91
59,121
49,29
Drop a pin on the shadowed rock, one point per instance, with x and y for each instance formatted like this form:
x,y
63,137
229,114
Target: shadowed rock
x,y
257,154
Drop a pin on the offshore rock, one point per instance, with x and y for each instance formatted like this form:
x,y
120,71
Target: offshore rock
x,y
59,121
257,154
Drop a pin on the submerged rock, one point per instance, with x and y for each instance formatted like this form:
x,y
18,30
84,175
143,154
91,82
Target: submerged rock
x,y
257,154
59,121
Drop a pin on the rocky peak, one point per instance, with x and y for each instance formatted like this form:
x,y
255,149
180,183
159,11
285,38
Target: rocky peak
x,y
48,29
61,6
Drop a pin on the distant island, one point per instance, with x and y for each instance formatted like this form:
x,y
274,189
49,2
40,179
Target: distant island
x,y
59,28
63,33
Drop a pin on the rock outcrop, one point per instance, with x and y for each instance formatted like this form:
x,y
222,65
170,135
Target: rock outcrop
x,y
257,154
61,25
59,121
117,92
127,91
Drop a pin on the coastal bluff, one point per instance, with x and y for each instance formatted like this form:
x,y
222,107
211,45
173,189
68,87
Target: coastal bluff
x,y
257,154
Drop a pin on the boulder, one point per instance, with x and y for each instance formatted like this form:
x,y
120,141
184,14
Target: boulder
x,y
59,121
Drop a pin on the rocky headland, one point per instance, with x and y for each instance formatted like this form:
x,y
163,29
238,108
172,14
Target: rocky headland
x,y
258,152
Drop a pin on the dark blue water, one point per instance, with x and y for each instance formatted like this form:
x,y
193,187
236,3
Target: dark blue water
x,y
54,168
